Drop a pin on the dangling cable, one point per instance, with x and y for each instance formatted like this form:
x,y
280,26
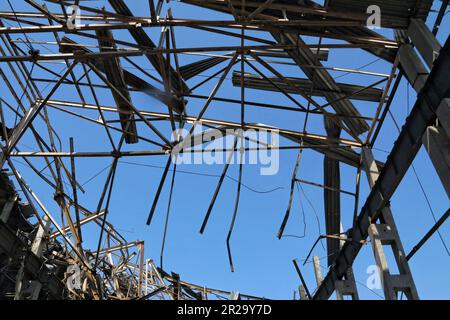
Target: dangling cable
x,y
314,210
291,195
423,191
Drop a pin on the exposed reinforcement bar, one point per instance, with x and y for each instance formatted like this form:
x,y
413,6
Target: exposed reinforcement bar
x,y
436,88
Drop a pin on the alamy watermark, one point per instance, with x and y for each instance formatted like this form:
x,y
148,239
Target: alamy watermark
x,y
73,17
233,146
373,281
374,19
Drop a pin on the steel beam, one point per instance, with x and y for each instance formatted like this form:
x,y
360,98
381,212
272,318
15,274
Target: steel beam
x,y
424,41
443,114
332,197
437,137
385,233
437,143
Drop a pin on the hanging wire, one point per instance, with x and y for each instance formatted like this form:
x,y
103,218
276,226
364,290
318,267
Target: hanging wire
x,y
361,67
304,218
314,210
32,51
205,175
236,205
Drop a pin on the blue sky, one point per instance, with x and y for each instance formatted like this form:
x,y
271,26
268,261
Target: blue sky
x,y
263,264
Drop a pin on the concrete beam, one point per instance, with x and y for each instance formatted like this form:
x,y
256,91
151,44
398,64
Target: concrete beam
x,y
399,160
443,114
412,66
437,137
332,197
424,40
386,234
302,291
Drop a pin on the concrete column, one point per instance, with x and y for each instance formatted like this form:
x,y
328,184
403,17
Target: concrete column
x,y
7,209
346,286
317,270
424,41
437,137
385,233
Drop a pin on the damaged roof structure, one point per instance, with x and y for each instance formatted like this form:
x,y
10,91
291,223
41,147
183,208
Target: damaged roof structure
x,y
126,73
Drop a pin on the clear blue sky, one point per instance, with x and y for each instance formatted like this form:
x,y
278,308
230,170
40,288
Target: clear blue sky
x,y
263,264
